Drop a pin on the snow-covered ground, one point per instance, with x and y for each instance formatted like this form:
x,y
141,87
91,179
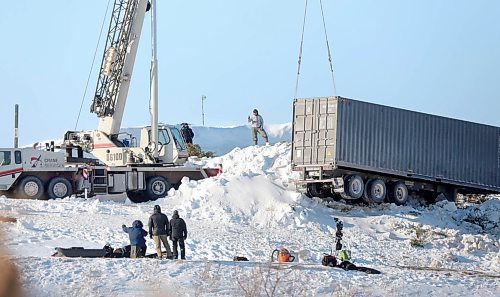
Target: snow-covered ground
x,y
250,210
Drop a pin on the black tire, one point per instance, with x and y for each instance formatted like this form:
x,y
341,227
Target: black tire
x,y
366,194
59,187
376,191
354,186
30,187
315,190
157,187
399,193
137,196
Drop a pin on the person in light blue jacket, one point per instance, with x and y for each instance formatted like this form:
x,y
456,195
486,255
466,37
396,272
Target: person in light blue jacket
x,y
257,123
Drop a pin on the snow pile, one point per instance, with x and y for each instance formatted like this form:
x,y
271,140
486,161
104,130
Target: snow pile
x,y
222,140
251,189
485,215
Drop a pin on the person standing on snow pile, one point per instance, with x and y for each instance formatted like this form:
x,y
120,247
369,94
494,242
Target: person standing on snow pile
x,y
257,123
178,234
137,241
187,133
159,230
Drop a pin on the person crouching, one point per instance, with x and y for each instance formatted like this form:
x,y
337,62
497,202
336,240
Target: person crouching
x,y
137,241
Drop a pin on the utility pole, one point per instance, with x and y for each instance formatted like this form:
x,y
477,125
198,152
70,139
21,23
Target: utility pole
x,y
16,126
203,98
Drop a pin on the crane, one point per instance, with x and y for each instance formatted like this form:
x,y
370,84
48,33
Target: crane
x,y
156,144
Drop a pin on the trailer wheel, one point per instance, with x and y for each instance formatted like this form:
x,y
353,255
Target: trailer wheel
x,y
59,187
376,191
366,194
137,196
30,187
354,186
399,193
157,187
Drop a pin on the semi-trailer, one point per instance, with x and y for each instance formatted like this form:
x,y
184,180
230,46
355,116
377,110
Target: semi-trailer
x,y
351,149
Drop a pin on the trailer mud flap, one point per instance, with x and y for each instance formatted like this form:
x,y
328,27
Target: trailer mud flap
x,y
338,187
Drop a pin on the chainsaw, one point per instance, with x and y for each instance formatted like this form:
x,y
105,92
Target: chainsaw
x,y
282,255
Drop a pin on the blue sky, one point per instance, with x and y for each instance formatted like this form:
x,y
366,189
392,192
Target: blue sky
x,y
440,57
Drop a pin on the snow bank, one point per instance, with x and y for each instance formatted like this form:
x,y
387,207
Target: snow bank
x,y
223,140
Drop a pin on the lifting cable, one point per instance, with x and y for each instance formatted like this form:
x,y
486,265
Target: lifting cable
x,y
300,50
327,47
92,66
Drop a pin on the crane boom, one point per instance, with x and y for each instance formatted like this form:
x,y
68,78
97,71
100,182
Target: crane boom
x,y
117,63
157,144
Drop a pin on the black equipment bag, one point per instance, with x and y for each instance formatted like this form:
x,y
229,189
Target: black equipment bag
x,y
329,260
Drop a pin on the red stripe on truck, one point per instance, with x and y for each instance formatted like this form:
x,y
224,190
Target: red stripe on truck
x,y
16,170
103,145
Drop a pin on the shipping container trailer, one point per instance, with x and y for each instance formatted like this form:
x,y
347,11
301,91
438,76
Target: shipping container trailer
x,y
352,149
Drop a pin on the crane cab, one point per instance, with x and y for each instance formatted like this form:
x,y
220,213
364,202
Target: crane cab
x,y
171,146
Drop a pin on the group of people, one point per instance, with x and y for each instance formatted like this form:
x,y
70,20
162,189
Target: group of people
x,y
160,230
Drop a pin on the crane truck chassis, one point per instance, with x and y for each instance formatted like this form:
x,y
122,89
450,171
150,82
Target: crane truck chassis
x,y
29,173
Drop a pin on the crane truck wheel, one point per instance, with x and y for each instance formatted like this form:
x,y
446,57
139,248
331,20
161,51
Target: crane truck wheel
x,y
376,191
30,187
399,193
137,196
157,187
59,187
354,186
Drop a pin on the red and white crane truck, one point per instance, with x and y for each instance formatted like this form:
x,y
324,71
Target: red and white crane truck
x,y
143,166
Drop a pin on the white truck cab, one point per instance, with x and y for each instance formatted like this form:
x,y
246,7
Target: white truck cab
x,y
29,172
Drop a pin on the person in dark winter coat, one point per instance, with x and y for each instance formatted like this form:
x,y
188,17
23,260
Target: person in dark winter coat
x,y
137,241
159,230
187,133
257,123
178,234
